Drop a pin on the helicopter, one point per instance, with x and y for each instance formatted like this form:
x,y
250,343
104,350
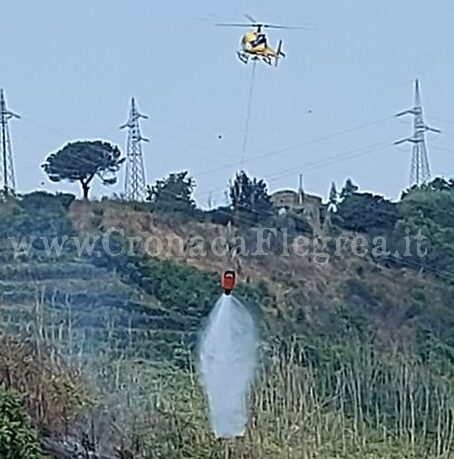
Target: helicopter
x,y
254,44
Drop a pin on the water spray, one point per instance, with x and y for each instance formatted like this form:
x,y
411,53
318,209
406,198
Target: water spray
x,y
228,359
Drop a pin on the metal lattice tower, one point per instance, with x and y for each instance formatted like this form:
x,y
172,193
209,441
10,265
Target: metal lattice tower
x,y
420,169
7,179
135,169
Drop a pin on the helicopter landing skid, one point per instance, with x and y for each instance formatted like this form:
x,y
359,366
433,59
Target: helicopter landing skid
x,y
267,60
243,57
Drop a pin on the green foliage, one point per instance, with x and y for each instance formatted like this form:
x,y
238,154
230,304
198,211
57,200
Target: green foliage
x,y
32,217
281,231
82,161
349,189
181,288
337,382
250,200
342,391
313,398
295,224
419,230
437,184
184,294
17,439
173,194
333,197
47,202
429,210
367,213
220,216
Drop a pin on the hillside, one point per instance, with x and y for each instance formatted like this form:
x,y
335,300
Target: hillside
x,y
357,350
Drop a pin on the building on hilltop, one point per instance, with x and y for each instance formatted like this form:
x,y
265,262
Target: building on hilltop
x,y
298,202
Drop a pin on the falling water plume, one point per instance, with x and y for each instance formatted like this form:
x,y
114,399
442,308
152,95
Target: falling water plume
x,y
228,357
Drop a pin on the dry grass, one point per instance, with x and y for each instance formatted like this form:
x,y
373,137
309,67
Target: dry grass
x,y
282,274
356,403
51,391
361,405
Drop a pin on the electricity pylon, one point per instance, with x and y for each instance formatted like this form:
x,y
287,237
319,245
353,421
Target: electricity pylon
x,y
7,178
420,168
135,170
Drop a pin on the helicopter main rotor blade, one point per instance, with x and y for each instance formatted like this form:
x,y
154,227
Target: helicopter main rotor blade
x,y
272,26
250,18
232,25
259,25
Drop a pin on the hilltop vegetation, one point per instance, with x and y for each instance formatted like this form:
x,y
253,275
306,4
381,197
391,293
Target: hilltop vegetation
x,y
357,350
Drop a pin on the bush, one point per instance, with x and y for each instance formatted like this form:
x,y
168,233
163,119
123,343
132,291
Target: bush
x,y
219,216
17,439
367,213
36,214
41,200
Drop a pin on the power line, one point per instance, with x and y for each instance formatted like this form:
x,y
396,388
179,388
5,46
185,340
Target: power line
x,y
297,145
7,165
333,159
411,263
330,160
313,165
135,170
439,118
420,169
266,154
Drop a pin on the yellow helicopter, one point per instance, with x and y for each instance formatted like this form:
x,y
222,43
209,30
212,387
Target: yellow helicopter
x,y
254,44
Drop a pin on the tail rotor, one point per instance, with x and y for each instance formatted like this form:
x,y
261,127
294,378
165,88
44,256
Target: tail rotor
x,y
279,53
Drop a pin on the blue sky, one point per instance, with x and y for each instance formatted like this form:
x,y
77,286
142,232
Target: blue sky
x,y
70,67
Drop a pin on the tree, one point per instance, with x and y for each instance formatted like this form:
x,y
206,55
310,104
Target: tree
x,y
333,198
367,213
349,189
250,199
429,211
82,161
437,184
173,193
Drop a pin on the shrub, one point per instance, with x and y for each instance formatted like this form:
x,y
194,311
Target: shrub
x,y
17,438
